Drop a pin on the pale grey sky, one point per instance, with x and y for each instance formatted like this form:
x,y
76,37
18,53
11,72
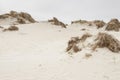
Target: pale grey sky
x,y
65,10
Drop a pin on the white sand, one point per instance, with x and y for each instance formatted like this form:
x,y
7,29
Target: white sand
x,y
37,52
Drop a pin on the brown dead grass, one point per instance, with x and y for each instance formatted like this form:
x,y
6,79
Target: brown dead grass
x,y
21,20
113,25
87,55
99,23
83,29
13,14
85,36
106,40
11,28
55,21
114,20
1,27
21,17
73,43
79,21
27,16
4,16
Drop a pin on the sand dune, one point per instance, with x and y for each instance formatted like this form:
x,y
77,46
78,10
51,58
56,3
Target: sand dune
x,y
37,51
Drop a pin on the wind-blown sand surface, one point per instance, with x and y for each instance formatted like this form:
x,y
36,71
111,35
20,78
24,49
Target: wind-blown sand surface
x,y
37,52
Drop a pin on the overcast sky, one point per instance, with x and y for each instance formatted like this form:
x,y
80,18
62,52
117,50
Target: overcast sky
x,y
65,10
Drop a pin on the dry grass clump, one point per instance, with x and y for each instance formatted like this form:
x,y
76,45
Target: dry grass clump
x,y
114,24
21,17
87,55
21,20
106,40
1,27
85,36
80,21
115,21
83,22
11,28
27,16
13,14
4,16
99,23
73,44
83,29
55,21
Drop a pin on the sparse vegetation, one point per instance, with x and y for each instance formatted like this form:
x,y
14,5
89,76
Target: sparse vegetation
x,y
76,44
87,55
73,43
106,40
83,29
114,25
55,21
79,21
1,27
21,20
99,23
27,16
4,16
13,14
22,17
11,28
85,36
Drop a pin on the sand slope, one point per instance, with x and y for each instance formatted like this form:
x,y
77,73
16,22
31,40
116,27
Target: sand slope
x,y
37,52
